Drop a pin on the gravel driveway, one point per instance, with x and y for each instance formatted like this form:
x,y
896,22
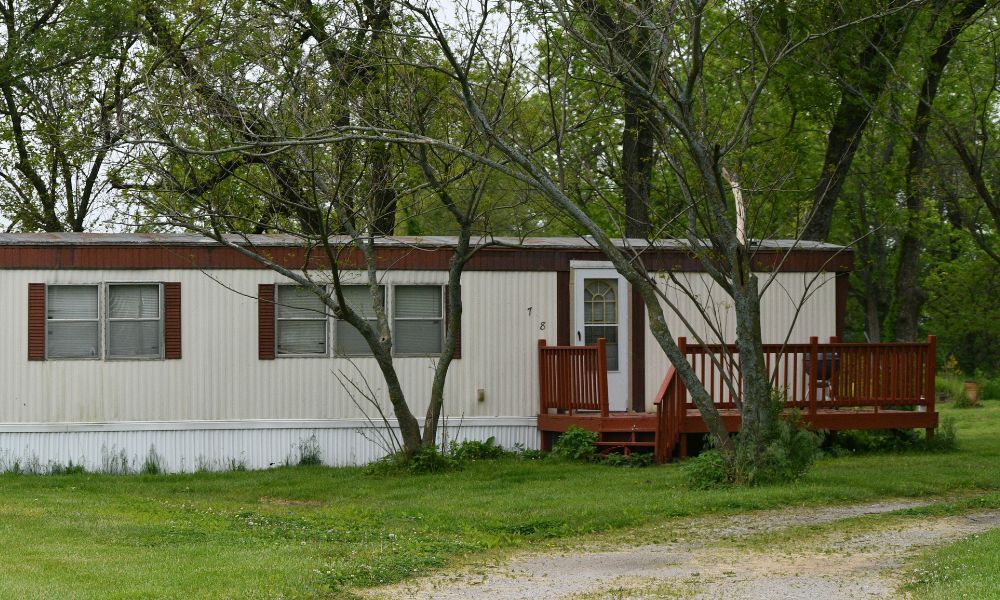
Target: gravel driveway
x,y
705,560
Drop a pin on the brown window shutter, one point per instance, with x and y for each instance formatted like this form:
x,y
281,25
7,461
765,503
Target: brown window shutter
x,y
265,321
36,321
447,313
172,320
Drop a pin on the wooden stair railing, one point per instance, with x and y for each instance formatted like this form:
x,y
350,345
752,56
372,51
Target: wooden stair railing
x,y
669,413
573,378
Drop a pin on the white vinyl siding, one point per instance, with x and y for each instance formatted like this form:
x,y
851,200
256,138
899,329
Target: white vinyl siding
x,y
135,321
72,323
300,322
418,320
348,341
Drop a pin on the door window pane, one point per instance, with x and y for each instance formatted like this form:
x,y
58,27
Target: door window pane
x,y
600,316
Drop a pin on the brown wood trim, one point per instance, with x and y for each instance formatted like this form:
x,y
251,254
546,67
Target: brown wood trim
x,y
172,320
159,256
265,321
563,303
843,283
36,321
447,317
638,360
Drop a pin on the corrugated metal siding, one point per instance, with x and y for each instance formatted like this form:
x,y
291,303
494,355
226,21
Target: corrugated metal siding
x,y
222,449
220,376
796,305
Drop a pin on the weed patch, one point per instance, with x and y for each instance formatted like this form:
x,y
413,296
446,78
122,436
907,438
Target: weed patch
x,y
575,443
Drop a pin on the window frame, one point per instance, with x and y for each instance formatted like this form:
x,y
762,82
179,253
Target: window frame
x,y
107,319
327,346
99,319
336,321
442,320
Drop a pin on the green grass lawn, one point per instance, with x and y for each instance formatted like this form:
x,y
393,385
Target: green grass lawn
x,y
969,568
305,532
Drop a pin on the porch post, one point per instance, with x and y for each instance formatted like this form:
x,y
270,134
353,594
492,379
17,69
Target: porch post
x,y
813,384
930,392
602,375
682,345
543,380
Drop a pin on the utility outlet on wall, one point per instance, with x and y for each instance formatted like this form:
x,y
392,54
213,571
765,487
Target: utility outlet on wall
x,y
480,395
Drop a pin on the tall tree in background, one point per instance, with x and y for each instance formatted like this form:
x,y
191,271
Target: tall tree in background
x,y
861,81
66,76
910,297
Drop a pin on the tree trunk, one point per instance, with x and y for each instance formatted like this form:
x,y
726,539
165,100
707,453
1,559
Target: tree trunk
x,y
910,297
453,326
409,427
637,166
755,412
857,100
383,194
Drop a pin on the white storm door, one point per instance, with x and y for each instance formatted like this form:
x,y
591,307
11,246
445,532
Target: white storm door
x,y
601,311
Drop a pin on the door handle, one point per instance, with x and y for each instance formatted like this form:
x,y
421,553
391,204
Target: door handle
x,y
578,337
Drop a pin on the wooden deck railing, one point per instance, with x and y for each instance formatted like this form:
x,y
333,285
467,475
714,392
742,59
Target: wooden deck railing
x,y
816,376
811,377
573,378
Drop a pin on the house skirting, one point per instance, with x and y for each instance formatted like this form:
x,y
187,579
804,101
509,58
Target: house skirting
x,y
187,446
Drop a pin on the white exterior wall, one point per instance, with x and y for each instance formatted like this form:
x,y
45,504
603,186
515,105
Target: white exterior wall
x,y
219,404
223,445
813,294
178,405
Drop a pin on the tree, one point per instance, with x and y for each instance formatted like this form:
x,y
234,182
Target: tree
x,y
703,149
909,295
258,129
66,76
861,81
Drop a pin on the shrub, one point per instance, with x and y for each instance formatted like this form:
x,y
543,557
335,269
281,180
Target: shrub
x,y
633,460
476,450
945,438
309,452
788,451
429,459
990,389
964,401
68,469
153,465
785,453
522,453
873,441
576,444
950,389
886,441
706,471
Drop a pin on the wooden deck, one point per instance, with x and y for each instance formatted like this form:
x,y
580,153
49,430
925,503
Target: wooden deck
x,y
835,386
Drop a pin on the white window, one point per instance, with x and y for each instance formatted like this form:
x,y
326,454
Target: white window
x,y
418,319
301,322
348,340
135,321
72,322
